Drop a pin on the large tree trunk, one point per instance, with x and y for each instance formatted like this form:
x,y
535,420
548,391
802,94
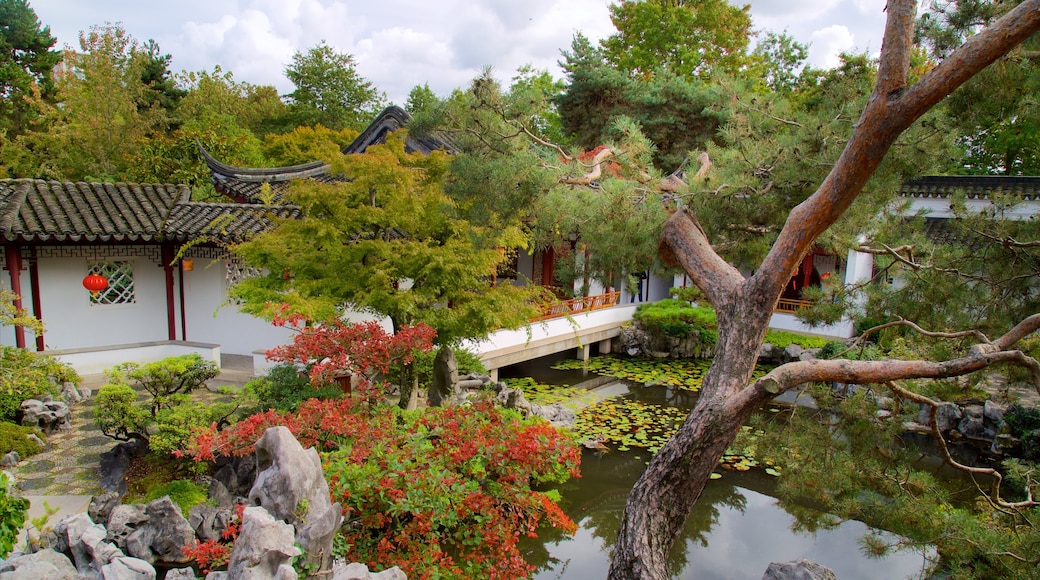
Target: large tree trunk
x,y
661,500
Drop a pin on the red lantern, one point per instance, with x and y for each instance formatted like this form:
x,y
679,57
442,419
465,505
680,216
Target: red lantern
x,y
95,283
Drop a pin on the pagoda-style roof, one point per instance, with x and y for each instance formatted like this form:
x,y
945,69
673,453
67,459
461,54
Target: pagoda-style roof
x,y
245,185
391,119
972,186
34,210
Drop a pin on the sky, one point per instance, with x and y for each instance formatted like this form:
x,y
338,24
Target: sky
x,y
398,44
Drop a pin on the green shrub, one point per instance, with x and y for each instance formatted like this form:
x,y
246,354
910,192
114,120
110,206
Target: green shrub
x,y
283,389
783,339
25,375
176,375
688,293
186,494
15,438
1021,420
174,424
116,412
675,317
12,515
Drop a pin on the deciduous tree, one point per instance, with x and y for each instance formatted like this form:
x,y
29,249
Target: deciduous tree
x,y
329,91
689,38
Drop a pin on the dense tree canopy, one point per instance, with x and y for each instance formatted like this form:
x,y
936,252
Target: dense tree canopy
x,y
26,61
329,91
997,112
689,38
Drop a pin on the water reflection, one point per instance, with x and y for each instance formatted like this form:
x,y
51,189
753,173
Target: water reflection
x,y
736,529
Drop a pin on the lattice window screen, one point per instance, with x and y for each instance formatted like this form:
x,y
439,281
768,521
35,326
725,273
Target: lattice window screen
x,y
236,272
120,277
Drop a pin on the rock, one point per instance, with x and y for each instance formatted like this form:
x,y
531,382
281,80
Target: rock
x,y
36,439
947,416
128,569
292,488
46,414
100,551
10,460
445,376
356,571
70,394
43,564
808,354
101,507
264,548
556,414
768,353
217,494
217,575
993,412
972,423
209,522
236,474
792,352
114,463
124,520
69,532
470,384
180,574
798,570
160,539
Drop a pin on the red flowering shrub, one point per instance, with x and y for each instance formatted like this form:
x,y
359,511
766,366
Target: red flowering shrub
x,y
212,554
335,348
444,492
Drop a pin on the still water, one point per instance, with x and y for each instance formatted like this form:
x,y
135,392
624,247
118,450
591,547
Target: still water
x,y
736,529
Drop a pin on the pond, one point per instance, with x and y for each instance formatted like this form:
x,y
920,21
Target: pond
x,y
736,529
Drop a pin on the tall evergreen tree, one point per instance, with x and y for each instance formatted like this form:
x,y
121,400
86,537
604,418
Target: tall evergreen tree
x,y
26,62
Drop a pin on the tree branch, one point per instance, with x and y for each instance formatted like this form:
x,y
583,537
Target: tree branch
x,y
933,408
684,243
890,110
980,356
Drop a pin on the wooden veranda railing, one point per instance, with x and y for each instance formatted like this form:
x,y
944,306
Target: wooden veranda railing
x,y
790,306
578,305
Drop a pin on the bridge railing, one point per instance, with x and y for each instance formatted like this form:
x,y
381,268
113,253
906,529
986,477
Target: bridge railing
x,y
578,305
790,306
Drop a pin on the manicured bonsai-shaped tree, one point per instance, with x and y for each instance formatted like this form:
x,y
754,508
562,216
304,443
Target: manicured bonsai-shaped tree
x,y
177,375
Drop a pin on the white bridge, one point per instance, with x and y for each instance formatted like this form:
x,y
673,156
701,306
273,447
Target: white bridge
x,y
579,330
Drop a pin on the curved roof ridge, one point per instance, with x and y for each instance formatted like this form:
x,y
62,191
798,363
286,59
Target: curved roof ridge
x,y
263,174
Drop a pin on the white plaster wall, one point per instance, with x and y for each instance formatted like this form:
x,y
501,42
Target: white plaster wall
x,y
71,321
784,321
939,207
205,291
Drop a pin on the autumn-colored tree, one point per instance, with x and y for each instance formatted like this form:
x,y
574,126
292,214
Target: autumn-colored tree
x,y
385,241
662,498
99,122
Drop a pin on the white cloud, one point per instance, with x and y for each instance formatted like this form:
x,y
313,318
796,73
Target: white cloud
x,y
828,43
398,44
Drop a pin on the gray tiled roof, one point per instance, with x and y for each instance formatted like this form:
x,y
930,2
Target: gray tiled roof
x,y
52,211
60,211
391,119
244,184
972,186
228,222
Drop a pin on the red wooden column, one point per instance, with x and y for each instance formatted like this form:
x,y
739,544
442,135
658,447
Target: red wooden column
x,y
14,266
37,302
171,307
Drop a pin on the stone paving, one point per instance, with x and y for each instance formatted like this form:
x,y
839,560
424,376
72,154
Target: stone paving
x,y
68,465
